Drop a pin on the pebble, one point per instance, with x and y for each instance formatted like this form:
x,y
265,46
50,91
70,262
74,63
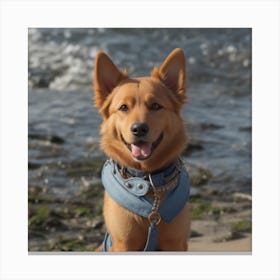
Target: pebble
x,y
203,46
242,196
192,60
246,62
67,34
231,49
220,52
232,57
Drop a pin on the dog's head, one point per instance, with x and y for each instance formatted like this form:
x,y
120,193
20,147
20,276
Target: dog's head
x,y
142,127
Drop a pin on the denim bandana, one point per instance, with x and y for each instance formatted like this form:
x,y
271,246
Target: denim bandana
x,y
130,193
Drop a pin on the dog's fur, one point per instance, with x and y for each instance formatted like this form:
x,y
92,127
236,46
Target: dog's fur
x,y
156,102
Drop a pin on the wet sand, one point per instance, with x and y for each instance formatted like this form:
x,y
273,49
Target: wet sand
x,y
204,244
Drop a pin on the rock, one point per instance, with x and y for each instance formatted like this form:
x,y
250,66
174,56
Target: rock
x,y
202,126
84,168
33,165
193,146
241,197
228,237
55,139
210,126
231,49
95,224
198,175
246,129
210,192
50,138
195,233
192,60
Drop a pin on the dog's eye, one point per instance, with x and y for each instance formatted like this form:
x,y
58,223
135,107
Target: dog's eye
x,y
123,108
155,107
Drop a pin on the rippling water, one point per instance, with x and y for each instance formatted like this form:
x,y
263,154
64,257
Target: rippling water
x,y
217,114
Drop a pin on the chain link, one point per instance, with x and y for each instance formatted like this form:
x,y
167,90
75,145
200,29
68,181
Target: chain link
x,y
154,217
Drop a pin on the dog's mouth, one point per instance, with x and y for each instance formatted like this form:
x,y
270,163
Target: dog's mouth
x,y
142,150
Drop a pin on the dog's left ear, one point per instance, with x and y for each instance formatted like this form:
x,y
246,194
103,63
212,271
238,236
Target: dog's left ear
x,y
172,73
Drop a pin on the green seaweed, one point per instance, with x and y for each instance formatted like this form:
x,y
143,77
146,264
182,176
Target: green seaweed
x,y
195,198
38,194
92,191
201,209
83,212
39,217
67,244
241,226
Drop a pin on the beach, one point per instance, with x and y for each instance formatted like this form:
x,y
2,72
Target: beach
x,y
65,193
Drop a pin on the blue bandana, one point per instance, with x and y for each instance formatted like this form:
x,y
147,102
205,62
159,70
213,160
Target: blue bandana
x,y
131,194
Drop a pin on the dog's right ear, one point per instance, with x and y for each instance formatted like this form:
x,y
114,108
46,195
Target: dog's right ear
x,y
106,77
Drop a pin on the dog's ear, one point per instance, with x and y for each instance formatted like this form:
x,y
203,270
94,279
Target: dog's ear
x,y
106,77
172,73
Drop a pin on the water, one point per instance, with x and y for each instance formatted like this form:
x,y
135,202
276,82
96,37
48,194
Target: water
x,y
217,114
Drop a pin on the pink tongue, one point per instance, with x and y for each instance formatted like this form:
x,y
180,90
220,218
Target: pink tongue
x,y
141,149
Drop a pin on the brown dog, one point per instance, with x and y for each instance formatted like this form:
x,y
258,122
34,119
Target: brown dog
x,y
142,130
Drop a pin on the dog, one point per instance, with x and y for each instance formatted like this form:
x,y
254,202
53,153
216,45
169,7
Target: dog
x,y
146,185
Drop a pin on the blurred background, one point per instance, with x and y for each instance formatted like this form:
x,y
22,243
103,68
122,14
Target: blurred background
x,y
64,159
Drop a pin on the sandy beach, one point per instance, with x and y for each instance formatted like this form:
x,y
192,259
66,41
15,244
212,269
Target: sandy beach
x,y
207,245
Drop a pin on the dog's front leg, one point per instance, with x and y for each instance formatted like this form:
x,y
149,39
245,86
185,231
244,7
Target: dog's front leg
x,y
128,230
174,236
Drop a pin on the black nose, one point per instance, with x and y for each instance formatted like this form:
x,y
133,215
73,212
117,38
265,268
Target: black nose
x,y
139,129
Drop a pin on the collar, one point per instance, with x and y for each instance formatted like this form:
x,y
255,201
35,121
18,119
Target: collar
x,y
131,192
160,179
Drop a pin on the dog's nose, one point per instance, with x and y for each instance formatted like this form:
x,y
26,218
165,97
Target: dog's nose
x,y
139,129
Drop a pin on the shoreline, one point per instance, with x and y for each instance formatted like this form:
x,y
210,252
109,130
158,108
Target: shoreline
x,y
220,222
206,245
64,159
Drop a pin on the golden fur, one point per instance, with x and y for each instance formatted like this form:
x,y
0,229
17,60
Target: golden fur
x,y
156,101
